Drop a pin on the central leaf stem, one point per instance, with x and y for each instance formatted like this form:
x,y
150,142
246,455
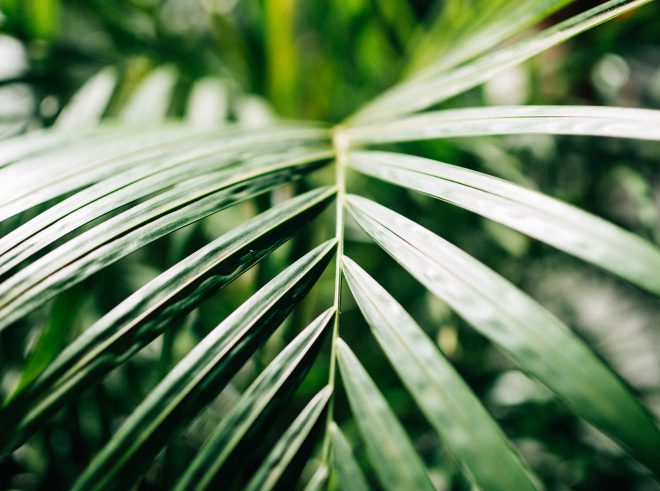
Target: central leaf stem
x,y
340,142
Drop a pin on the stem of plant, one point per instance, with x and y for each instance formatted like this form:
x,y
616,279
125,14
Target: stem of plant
x,y
340,143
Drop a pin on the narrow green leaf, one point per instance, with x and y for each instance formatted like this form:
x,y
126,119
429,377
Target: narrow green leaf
x,y
281,376
391,452
108,242
114,151
418,94
538,342
485,25
275,465
200,375
55,336
467,429
74,164
88,104
144,315
558,224
138,182
36,142
348,471
318,480
643,124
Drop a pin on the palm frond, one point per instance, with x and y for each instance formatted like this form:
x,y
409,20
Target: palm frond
x,y
537,215
80,197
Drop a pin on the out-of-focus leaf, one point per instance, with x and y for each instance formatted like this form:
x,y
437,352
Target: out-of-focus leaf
x,y
422,92
87,106
619,122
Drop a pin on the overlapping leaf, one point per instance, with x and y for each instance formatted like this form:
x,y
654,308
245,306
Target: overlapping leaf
x,y
282,375
390,450
453,410
538,342
144,315
199,376
187,202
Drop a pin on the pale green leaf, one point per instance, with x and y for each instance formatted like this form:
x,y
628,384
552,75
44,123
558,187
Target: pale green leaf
x,y
117,153
88,104
620,122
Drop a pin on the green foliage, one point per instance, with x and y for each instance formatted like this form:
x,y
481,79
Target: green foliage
x,y
184,226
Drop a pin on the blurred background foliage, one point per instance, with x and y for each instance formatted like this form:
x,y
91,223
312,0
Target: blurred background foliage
x,y
210,61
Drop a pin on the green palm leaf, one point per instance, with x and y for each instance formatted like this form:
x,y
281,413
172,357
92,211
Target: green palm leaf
x,y
416,95
556,223
144,315
538,342
452,409
201,373
391,452
277,462
349,474
254,409
188,202
82,196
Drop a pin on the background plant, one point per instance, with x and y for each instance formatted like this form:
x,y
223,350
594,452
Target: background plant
x,y
119,238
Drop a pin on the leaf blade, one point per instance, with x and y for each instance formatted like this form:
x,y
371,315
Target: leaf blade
x,y
206,368
618,122
531,336
551,221
349,473
394,458
243,416
470,433
274,466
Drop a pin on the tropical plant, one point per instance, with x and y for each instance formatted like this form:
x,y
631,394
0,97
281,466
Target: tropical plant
x,y
94,195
